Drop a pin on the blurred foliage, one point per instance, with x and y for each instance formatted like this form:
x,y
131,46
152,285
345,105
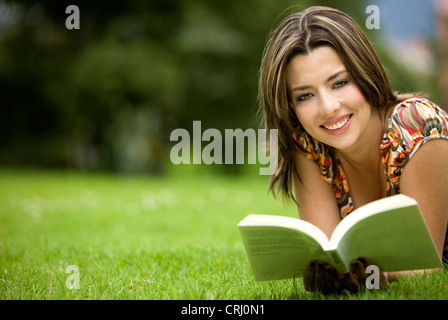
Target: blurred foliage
x,y
108,95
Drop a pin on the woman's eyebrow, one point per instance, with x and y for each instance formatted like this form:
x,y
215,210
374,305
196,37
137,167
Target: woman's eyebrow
x,y
336,75
328,80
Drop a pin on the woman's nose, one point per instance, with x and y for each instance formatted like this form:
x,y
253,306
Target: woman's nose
x,y
328,104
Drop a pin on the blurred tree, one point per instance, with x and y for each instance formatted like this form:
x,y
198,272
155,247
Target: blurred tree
x,y
108,95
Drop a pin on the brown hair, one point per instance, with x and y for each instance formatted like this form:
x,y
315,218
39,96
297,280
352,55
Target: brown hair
x,y
300,33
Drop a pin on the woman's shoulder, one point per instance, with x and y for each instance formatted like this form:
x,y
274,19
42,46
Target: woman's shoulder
x,y
414,120
416,109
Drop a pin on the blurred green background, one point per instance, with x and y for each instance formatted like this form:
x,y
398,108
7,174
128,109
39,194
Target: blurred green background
x,y
107,96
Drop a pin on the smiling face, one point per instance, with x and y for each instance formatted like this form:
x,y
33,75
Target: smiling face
x,y
326,100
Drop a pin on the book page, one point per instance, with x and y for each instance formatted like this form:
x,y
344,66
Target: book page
x,y
279,253
286,222
371,208
394,240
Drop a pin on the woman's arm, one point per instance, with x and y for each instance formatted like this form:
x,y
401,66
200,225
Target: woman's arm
x,y
315,198
425,178
393,276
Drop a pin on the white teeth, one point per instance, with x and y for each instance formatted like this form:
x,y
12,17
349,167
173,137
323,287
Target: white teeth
x,y
337,125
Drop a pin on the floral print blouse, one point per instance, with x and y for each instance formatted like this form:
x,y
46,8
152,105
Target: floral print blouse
x,y
413,122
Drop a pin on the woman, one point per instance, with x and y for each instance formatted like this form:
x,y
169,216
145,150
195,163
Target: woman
x,y
344,138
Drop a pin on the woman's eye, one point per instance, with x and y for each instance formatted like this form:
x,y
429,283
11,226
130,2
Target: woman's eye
x,y
303,97
340,84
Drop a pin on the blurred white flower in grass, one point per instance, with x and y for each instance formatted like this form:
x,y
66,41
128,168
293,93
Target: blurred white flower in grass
x,y
164,198
37,206
149,201
197,202
33,207
168,198
218,195
89,199
132,208
244,199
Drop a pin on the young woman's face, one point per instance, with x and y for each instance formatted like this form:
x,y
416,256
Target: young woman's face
x,y
327,102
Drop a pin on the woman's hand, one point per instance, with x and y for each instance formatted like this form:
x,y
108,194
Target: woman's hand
x,y
323,277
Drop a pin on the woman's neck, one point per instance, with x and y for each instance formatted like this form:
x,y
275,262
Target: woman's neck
x,y
364,156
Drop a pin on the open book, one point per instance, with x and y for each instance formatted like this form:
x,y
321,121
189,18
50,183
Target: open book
x,y
390,232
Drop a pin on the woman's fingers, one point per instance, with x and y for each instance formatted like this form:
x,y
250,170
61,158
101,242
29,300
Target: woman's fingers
x,y
335,278
320,279
309,275
349,281
358,268
321,276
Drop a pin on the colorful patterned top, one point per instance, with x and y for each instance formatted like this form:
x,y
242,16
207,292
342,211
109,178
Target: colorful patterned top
x,y
413,123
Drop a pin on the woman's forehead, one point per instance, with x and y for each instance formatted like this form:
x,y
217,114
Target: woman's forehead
x,y
320,64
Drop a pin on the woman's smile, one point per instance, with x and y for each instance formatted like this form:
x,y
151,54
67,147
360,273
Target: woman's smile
x,y
337,125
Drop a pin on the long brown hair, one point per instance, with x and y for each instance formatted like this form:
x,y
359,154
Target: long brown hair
x,y
300,33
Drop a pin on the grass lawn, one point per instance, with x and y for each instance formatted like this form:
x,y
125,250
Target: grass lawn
x,y
145,238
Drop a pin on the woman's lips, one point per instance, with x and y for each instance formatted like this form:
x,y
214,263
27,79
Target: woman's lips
x,y
337,125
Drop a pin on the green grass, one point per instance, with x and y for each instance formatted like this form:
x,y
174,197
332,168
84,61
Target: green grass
x,y
145,238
